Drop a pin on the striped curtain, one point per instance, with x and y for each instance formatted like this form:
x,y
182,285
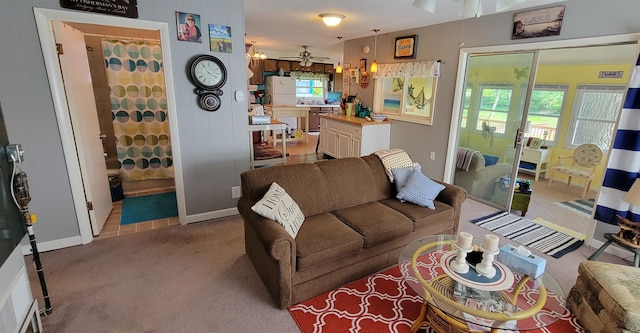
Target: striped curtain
x,y
624,160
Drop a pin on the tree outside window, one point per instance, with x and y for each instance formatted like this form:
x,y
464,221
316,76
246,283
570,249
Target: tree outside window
x,y
494,107
595,113
545,108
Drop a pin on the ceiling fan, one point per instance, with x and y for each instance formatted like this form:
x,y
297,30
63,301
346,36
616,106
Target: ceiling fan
x,y
305,57
469,8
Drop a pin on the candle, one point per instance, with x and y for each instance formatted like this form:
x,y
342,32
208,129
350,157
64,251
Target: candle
x,y
490,242
464,240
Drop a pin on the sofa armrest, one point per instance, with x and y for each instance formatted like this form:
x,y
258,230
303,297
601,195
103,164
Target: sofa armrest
x,y
272,236
493,172
453,196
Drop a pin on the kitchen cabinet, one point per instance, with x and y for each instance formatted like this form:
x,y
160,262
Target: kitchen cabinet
x,y
536,161
314,115
285,65
343,136
295,66
318,68
257,70
328,68
270,65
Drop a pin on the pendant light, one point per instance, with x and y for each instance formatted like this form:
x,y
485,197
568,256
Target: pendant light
x,y
374,64
339,67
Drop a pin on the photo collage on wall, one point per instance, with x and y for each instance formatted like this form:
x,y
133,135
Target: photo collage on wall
x,y
189,29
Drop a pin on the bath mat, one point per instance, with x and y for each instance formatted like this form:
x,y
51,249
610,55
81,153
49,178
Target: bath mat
x,y
384,302
148,207
530,234
581,207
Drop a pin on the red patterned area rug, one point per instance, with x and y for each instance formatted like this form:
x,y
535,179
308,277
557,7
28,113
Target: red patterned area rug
x,y
382,302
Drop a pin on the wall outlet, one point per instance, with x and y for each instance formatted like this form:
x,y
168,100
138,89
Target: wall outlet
x,y
235,192
433,156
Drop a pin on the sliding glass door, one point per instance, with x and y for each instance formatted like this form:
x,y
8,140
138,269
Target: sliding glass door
x,y
492,123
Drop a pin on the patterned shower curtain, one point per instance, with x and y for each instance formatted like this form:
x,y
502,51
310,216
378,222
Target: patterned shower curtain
x,y
624,159
139,108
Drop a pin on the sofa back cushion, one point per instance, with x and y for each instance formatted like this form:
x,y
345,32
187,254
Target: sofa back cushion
x,y
305,183
384,188
349,180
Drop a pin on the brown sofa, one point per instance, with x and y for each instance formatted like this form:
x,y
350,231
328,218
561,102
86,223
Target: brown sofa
x,y
354,225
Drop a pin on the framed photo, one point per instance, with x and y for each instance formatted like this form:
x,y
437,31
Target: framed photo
x,y
405,47
363,64
535,143
188,26
538,23
220,38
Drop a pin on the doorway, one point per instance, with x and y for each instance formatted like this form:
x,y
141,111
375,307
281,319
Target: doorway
x,y
45,19
537,123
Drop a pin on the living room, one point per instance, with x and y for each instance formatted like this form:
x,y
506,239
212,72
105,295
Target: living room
x,y
215,147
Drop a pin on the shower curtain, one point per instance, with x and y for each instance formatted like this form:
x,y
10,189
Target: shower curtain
x,y
624,160
139,108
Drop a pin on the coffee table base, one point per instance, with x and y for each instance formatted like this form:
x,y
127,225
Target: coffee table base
x,y
439,321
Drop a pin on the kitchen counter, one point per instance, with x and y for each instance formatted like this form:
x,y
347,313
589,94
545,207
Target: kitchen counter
x,y
335,106
355,120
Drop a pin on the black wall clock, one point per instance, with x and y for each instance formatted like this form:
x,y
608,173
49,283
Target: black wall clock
x,y
208,74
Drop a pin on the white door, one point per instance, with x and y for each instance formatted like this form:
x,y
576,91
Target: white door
x,y
84,118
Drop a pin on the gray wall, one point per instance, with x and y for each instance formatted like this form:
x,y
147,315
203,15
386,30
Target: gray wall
x,y
583,18
214,145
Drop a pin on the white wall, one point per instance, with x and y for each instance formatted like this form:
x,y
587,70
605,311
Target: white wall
x,y
214,145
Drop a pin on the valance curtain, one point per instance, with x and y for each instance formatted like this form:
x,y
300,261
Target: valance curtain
x,y
624,160
409,69
139,108
309,76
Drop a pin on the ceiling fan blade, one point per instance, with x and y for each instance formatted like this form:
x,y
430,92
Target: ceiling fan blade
x,y
426,5
470,8
502,5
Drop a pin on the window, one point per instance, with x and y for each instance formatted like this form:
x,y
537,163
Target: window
x,y
545,109
495,101
310,88
465,107
594,116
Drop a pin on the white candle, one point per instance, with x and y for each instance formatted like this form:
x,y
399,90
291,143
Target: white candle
x,y
464,240
490,242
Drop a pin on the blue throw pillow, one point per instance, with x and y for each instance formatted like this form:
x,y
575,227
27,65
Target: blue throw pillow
x,y
420,190
400,175
490,160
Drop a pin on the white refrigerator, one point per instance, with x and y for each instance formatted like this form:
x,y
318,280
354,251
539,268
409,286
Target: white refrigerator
x,y
280,90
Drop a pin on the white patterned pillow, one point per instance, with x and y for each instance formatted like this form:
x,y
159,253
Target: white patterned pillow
x,y
393,158
277,205
420,190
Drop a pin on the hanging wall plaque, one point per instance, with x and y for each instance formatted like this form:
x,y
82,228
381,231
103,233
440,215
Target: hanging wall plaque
x,y
126,8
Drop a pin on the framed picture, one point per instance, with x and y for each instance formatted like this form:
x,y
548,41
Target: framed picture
x,y
363,64
538,23
188,26
405,47
535,143
220,38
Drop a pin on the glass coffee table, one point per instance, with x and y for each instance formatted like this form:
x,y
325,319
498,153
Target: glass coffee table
x,y
456,303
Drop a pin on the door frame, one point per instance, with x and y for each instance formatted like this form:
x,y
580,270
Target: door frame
x,y
44,18
450,162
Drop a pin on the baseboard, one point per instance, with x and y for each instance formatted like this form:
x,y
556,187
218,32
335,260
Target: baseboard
x,y
211,215
52,245
612,249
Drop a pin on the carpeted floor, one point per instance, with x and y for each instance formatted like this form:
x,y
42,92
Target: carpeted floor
x,y
383,302
530,233
582,207
148,207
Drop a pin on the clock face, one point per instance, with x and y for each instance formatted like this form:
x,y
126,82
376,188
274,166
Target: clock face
x,y
208,72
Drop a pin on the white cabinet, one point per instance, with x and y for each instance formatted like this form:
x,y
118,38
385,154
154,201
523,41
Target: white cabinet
x,y
342,136
539,159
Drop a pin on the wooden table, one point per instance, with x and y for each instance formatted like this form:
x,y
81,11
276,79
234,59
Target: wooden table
x,y
284,111
273,126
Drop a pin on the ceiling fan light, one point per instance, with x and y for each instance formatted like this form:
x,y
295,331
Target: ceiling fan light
x,y
502,5
263,56
426,5
331,19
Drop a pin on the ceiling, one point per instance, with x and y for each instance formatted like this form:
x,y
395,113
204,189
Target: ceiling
x,y
280,27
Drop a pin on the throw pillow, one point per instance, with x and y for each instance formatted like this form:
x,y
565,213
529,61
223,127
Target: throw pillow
x,y
401,175
277,205
420,190
490,160
393,158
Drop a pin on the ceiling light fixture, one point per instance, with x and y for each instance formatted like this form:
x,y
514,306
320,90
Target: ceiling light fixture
x,y
374,64
331,19
339,67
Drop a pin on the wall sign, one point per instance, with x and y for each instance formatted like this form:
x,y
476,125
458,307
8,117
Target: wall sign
x,y
610,74
126,8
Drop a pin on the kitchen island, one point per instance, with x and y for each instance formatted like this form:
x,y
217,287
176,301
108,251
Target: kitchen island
x,y
286,111
349,136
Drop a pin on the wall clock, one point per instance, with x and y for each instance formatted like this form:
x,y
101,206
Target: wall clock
x,y
208,74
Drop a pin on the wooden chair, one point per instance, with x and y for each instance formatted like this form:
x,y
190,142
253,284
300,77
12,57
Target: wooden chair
x,y
584,160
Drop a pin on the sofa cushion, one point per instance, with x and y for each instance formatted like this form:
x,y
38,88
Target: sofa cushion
x,y
343,176
376,222
438,219
277,205
384,187
420,190
324,238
